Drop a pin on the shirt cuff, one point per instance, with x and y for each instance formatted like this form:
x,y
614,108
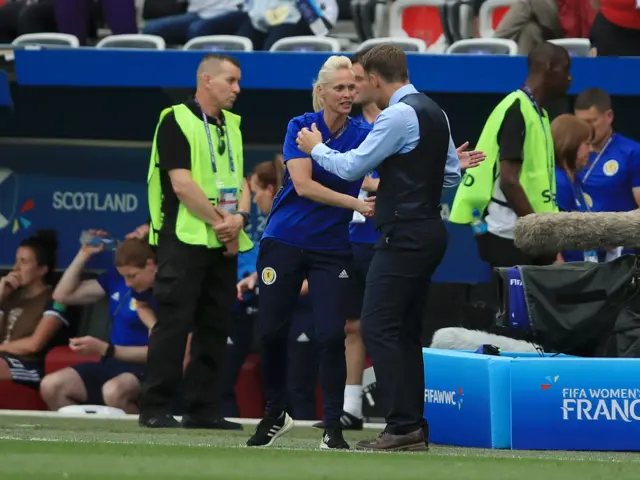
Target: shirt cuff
x,y
320,150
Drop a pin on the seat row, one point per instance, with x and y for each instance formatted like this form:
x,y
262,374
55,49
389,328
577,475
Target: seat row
x,y
488,46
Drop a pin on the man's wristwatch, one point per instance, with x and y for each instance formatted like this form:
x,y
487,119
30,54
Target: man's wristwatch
x,y
111,350
246,218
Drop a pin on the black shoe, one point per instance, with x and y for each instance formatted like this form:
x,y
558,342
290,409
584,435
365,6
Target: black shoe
x,y
348,422
269,430
332,439
157,421
209,423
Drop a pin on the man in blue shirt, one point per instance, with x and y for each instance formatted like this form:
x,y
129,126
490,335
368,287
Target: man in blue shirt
x,y
611,178
409,147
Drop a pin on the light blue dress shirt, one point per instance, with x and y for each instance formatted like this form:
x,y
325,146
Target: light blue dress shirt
x,y
396,130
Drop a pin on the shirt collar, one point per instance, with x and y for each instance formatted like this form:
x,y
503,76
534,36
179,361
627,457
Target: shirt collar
x,y
402,92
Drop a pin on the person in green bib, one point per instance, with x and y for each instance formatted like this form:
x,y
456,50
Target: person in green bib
x,y
198,204
518,176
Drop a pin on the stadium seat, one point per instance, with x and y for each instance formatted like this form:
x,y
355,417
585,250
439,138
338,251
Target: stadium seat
x,y
47,39
577,47
306,44
249,392
63,357
135,40
416,19
413,45
490,15
20,397
484,46
228,43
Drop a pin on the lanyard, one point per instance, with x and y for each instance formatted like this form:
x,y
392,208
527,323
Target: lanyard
x,y
550,164
586,175
339,132
578,193
211,151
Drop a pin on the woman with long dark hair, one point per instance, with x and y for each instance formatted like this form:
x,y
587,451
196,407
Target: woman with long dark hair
x,y
29,318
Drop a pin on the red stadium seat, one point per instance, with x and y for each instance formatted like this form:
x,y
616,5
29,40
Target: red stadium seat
x,y
62,357
497,14
249,392
19,397
423,23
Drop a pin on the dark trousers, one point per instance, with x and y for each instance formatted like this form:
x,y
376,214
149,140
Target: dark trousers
x,y
178,29
195,291
18,18
73,17
265,40
613,41
303,364
395,298
282,269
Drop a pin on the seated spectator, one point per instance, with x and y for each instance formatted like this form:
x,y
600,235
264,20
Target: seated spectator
x,y
203,17
529,23
23,16
30,319
616,29
115,380
74,17
572,139
271,20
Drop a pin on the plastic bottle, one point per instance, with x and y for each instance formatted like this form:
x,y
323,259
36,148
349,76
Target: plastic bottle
x,y
478,225
88,238
313,15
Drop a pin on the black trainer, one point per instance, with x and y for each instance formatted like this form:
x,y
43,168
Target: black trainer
x,y
269,430
348,422
213,423
157,421
332,439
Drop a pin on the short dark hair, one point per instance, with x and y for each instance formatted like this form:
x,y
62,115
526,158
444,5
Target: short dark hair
x,y
388,61
357,56
221,57
593,97
45,248
545,54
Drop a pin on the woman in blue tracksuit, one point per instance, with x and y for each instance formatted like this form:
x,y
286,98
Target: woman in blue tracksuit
x,y
303,370
307,236
572,142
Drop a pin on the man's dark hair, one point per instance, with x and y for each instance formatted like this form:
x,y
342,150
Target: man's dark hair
x,y
221,58
388,61
593,97
357,57
544,55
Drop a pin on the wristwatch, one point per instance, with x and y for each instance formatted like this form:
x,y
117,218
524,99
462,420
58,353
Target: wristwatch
x,y
246,218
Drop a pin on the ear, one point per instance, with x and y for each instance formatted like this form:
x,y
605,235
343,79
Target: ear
x,y
609,115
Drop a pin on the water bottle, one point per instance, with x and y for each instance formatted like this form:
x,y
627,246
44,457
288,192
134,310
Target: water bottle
x,y
88,238
478,225
591,256
312,14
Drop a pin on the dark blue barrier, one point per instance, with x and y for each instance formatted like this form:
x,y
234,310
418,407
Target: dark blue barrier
x,y
29,202
5,92
296,71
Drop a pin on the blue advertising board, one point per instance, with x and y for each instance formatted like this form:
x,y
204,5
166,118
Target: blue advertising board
x,y
466,398
575,404
33,202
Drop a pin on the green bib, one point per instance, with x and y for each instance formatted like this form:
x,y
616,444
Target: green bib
x,y
189,228
537,175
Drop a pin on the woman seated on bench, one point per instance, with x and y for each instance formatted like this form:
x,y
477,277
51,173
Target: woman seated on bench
x,y
29,318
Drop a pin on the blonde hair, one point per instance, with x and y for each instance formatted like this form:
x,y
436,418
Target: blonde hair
x,y
333,64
